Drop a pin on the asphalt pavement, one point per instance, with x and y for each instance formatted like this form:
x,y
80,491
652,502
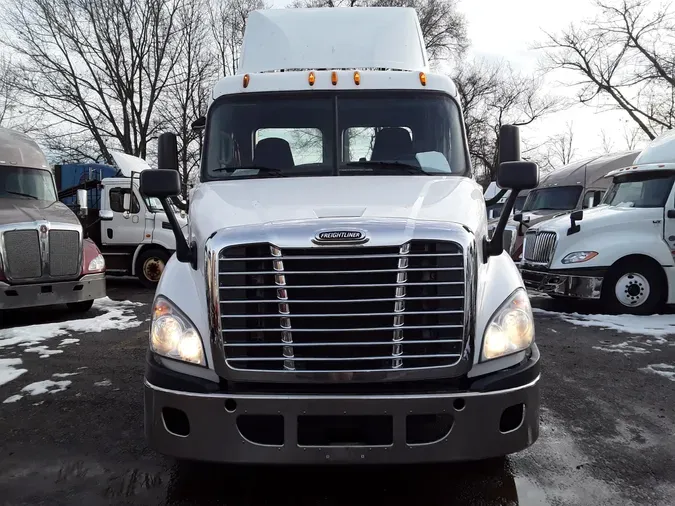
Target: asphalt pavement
x,y
71,424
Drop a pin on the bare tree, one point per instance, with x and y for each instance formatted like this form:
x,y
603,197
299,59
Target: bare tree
x,y
95,68
606,143
8,91
227,19
559,149
443,27
187,98
624,59
491,95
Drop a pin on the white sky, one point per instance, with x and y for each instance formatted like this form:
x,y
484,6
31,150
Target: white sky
x,y
500,29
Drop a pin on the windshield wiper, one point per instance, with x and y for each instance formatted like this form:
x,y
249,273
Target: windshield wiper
x,y
22,194
267,171
395,166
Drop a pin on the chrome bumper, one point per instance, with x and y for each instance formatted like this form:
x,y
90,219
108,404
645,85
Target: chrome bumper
x,y
555,283
210,427
88,287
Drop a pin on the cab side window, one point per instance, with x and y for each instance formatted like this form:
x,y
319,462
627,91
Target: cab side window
x,y
117,200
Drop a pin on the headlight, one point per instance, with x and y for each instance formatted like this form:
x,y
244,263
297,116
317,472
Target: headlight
x,y
579,256
172,335
97,263
511,328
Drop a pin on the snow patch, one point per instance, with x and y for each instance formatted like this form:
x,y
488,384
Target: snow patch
x,y
116,315
46,386
664,370
12,398
69,341
64,374
44,351
7,370
105,383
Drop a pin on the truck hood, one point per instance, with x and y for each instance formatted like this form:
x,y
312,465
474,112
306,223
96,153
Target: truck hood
x,y
217,205
27,210
603,217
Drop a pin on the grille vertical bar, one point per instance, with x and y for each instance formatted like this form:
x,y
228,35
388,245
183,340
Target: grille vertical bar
x,y
539,246
399,307
284,310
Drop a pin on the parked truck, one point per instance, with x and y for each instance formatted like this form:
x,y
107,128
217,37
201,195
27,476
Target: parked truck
x,y
44,257
336,298
131,230
578,185
621,252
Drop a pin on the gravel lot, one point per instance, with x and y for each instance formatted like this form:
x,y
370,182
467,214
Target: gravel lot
x,y
72,423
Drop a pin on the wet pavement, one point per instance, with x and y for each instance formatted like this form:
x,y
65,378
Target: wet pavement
x,y
607,427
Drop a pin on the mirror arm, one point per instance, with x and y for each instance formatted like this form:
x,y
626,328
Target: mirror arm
x,y
495,246
184,253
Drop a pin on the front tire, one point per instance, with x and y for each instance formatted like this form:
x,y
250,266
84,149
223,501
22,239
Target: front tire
x,y
150,265
80,307
635,287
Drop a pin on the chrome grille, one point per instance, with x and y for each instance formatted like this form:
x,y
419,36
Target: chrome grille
x,y
329,309
22,254
539,246
64,246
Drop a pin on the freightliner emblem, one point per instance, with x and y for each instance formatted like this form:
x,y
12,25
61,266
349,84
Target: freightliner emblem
x,y
340,236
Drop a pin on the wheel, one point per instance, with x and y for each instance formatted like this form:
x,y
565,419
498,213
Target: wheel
x,y
150,265
635,287
80,307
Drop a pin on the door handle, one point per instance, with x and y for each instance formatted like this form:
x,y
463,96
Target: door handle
x,y
671,213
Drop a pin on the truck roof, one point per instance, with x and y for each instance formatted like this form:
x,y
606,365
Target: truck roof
x,y
17,149
658,155
383,45
324,38
593,169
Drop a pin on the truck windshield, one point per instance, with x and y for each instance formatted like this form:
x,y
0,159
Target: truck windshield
x,y
520,202
647,189
334,134
560,198
25,183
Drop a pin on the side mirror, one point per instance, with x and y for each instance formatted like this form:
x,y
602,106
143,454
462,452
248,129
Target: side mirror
x,y
160,183
82,202
509,144
199,124
126,202
518,175
574,217
105,215
167,152
518,217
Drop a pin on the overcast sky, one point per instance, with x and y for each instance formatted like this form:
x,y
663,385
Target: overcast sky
x,y
501,29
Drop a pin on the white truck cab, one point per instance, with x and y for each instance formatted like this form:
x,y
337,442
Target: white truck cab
x,y
620,251
336,298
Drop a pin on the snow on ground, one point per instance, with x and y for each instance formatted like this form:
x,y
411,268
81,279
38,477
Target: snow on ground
x,y
12,398
105,383
8,371
44,351
68,341
116,315
64,374
665,370
46,386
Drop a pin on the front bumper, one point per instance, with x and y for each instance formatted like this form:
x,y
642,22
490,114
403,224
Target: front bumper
x,y
563,284
88,287
404,428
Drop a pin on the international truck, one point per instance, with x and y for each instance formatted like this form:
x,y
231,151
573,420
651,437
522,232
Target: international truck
x,y
581,184
44,257
619,253
131,230
336,299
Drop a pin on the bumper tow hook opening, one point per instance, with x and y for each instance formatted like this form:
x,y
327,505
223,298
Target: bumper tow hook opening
x,y
176,422
512,418
230,405
459,404
427,429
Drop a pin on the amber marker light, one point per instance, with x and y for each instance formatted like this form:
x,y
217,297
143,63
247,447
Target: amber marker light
x,y
423,78
333,78
246,80
311,79
357,78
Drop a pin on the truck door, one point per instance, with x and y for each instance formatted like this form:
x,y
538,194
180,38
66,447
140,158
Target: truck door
x,y
669,221
123,229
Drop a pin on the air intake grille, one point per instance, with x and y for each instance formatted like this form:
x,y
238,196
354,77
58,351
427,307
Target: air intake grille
x,y
22,254
329,309
539,247
64,255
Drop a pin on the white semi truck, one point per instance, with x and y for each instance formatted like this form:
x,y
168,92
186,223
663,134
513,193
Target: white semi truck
x,y
337,298
620,252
